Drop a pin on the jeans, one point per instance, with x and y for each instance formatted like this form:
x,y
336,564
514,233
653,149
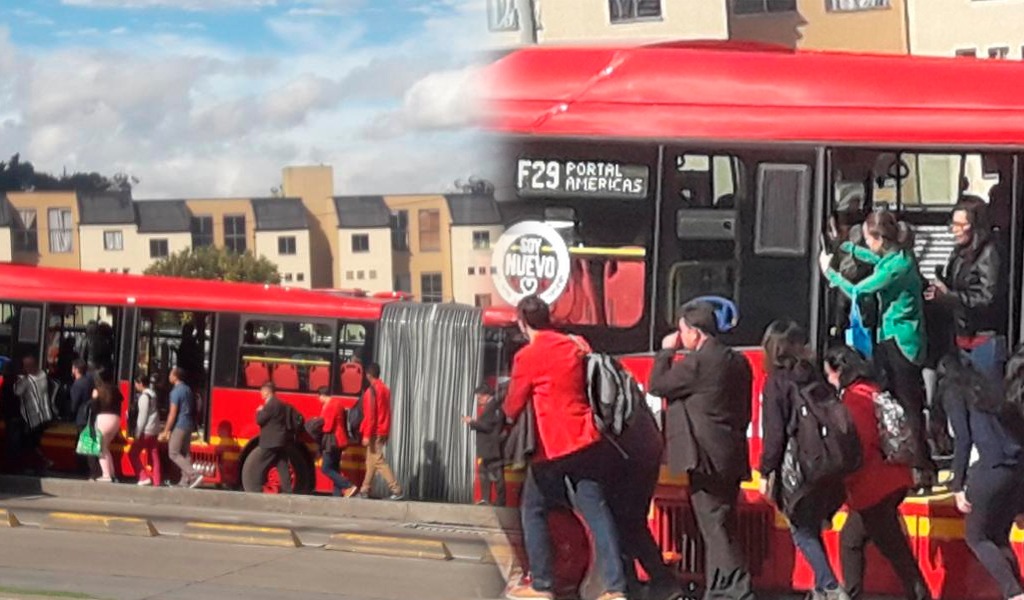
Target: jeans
x,y
880,524
995,495
807,537
330,466
989,358
584,471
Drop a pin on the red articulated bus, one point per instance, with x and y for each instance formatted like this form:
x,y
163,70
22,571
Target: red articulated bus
x,y
653,175
230,338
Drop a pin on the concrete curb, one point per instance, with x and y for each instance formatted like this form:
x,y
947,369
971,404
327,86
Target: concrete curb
x,y
7,519
251,535
385,545
321,506
67,521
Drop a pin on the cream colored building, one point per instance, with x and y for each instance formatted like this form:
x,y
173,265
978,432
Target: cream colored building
x,y
6,222
849,25
607,21
475,226
164,228
982,28
109,234
282,237
364,243
314,186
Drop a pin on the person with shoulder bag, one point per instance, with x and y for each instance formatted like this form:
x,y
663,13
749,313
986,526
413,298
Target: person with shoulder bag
x,y
808,500
333,441
875,491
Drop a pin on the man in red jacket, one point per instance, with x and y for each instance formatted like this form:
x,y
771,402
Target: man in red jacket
x,y
549,373
375,428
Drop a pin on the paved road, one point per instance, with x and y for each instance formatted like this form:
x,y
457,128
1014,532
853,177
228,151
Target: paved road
x,y
114,567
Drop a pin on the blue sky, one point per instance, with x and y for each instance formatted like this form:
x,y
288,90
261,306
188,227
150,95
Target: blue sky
x,y
213,97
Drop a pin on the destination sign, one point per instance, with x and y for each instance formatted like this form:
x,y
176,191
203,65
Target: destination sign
x,y
581,178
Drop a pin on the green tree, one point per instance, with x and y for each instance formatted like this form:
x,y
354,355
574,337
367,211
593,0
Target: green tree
x,y
17,175
216,263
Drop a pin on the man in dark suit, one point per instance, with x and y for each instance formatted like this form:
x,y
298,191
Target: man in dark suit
x,y
708,415
277,432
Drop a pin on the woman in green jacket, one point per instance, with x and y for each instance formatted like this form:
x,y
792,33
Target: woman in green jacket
x,y
899,288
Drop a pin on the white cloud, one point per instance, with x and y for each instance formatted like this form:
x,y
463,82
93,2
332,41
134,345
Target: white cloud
x,y
32,18
190,115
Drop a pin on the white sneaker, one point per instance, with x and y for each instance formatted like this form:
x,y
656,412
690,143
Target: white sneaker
x,y
144,482
195,482
104,480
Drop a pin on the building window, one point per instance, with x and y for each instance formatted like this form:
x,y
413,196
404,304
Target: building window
x,y
373,273
502,15
300,277
472,270
403,283
430,230
624,11
482,300
286,245
288,277
113,240
360,275
999,53
26,233
234,233
481,240
966,53
159,248
360,242
126,271
202,232
431,287
400,231
494,270
753,7
855,5
348,275
61,228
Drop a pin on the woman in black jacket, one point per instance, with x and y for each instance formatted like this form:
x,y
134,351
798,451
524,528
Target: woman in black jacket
x,y
790,368
991,492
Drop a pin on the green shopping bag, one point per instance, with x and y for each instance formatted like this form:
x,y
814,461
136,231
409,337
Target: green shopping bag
x,y
88,442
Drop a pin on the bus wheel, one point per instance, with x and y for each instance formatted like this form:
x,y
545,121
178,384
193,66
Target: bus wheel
x,y
267,480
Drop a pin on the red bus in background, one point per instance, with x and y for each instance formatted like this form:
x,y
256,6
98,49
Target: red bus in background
x,y
229,337
654,175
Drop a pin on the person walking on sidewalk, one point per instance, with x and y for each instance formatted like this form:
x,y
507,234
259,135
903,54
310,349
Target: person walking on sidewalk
x,y
709,404
375,429
179,427
488,426
81,395
876,490
335,440
106,405
147,428
549,375
279,424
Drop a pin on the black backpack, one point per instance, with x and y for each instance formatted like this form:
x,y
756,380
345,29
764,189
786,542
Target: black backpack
x,y
354,417
826,445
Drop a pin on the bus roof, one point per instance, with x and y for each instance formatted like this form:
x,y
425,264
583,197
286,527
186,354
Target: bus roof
x,y
68,286
701,92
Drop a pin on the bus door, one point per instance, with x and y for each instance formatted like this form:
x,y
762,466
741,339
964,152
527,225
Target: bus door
x,y
738,224
21,334
168,339
923,186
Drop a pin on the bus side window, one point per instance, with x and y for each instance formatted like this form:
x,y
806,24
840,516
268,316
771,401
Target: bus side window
x,y
291,354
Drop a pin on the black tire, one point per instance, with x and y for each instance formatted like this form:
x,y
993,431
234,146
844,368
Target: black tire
x,y
254,480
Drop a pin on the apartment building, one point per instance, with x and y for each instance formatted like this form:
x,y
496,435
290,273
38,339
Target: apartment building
x,y
164,228
475,225
44,229
365,245
610,21
281,235
109,234
981,28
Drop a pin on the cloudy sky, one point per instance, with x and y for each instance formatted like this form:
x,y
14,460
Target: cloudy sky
x,y
214,97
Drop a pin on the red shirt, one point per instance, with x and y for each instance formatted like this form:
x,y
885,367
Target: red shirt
x,y
876,479
550,372
381,426
334,421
